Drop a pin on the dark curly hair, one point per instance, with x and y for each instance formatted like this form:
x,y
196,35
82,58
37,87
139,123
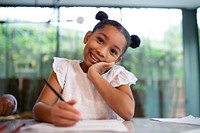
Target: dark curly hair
x,y
133,41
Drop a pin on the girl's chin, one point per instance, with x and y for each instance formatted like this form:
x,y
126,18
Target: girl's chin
x,y
88,63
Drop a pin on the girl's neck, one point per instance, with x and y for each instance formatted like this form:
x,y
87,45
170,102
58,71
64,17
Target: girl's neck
x,y
84,67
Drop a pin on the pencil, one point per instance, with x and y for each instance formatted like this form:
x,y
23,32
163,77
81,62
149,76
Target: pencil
x,y
54,91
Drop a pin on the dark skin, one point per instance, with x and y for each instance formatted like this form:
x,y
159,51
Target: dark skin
x,y
7,104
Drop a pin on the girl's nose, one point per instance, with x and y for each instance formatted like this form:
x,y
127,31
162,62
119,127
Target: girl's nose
x,y
102,52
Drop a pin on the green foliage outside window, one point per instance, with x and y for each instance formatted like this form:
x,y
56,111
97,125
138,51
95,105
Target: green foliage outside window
x,y
27,51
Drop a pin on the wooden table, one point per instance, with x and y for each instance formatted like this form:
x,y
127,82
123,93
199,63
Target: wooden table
x,y
137,125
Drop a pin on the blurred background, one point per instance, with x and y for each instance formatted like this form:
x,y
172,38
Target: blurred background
x,y
166,64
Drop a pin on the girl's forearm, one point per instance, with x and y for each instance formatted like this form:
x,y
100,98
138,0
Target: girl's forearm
x,y
119,101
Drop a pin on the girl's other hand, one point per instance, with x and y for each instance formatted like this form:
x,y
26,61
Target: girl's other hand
x,y
101,67
64,113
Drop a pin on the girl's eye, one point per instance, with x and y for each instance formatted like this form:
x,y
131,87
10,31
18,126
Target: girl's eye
x,y
100,41
114,52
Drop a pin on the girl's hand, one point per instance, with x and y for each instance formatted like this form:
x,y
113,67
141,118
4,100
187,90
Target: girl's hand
x,y
101,67
64,113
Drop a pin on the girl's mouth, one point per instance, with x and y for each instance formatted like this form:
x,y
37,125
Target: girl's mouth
x,y
94,59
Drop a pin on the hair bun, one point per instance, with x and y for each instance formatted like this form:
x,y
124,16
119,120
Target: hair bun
x,y
135,41
101,16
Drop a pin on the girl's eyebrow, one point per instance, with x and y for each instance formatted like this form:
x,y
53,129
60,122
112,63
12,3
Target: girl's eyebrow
x,y
113,44
104,35
118,48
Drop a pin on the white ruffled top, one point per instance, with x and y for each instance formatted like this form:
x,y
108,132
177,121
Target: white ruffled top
x,y
77,86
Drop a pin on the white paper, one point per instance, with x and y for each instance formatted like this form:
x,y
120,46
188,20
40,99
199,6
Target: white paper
x,y
84,125
185,120
192,131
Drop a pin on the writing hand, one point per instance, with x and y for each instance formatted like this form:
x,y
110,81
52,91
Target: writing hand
x,y
64,113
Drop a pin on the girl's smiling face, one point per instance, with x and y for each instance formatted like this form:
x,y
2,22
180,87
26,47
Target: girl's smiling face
x,y
104,45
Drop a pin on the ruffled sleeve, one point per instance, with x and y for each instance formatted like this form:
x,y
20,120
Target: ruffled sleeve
x,y
60,68
118,75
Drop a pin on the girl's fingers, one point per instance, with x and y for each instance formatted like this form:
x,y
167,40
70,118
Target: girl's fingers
x,y
64,113
64,122
101,67
62,117
68,115
108,65
68,106
72,102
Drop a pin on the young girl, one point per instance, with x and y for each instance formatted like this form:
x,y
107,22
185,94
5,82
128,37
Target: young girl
x,y
94,88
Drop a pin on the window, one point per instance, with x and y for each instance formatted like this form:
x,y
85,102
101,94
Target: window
x,y
30,40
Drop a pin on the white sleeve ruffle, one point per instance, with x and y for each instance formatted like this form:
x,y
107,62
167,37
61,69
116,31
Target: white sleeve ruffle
x,y
60,68
118,75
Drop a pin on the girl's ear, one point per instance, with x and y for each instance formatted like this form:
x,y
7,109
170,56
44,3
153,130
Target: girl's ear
x,y
87,36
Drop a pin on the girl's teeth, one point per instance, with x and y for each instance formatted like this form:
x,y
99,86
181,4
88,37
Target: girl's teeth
x,y
94,59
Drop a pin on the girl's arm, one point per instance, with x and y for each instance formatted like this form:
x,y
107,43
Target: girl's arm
x,y
44,103
120,99
47,108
